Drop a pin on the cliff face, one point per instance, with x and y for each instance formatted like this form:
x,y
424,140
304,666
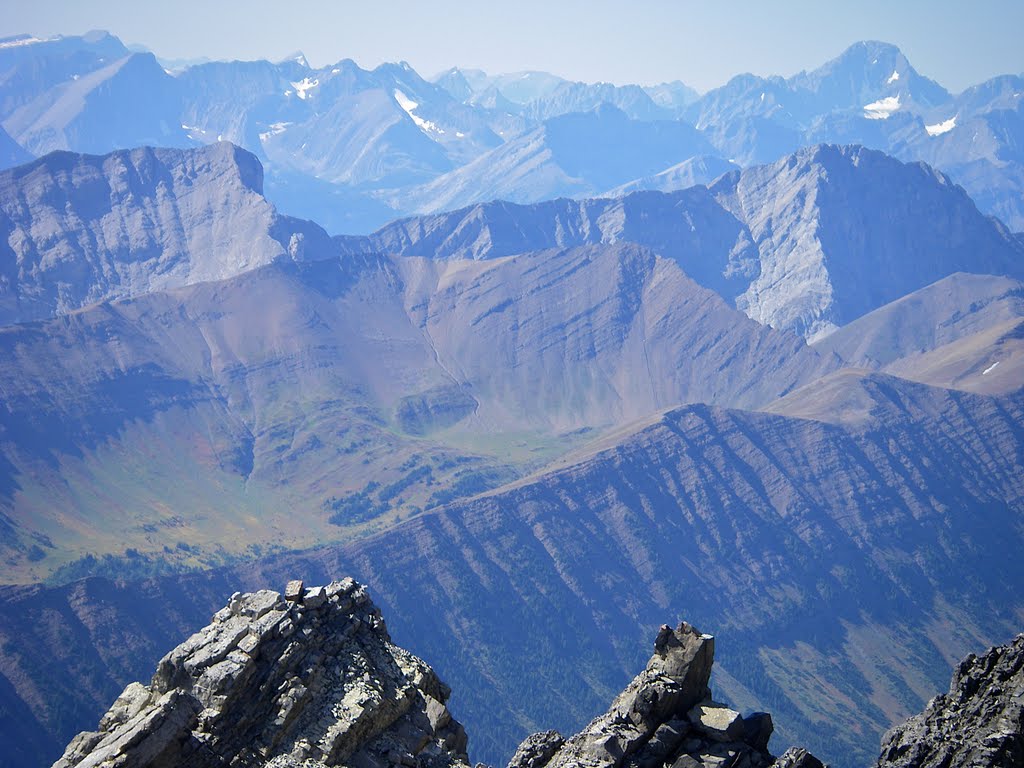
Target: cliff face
x,y
79,229
310,678
978,724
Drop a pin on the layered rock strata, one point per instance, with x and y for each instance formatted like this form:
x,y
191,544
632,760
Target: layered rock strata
x,y
312,680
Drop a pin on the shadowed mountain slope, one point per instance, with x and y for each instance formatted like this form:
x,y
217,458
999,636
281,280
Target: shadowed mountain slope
x,y
846,566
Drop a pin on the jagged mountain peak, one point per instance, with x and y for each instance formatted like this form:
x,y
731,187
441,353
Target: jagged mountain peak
x,y
866,72
856,235
296,57
665,716
309,678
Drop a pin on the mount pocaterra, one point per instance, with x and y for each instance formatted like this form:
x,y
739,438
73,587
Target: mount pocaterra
x,y
310,678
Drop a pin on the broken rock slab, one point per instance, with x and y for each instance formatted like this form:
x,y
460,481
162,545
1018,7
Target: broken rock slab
x,y
278,683
664,718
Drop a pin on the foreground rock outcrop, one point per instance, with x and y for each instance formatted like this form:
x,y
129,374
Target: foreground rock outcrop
x,y
665,717
311,680
978,724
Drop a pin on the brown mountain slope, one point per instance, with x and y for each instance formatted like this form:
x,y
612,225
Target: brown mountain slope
x,y
346,390
847,566
964,331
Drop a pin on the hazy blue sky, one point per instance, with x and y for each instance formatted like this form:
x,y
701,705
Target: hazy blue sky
x,y
702,43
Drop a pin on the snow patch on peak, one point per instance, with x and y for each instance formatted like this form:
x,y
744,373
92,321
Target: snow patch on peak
x,y
893,77
882,109
275,128
303,86
409,106
17,42
405,102
940,128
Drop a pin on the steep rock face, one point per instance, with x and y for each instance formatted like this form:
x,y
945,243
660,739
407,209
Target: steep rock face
x,y
979,723
844,230
77,229
806,244
664,717
308,679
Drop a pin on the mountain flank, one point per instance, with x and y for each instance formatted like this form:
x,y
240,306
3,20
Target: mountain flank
x,y
806,244
733,517
80,229
311,678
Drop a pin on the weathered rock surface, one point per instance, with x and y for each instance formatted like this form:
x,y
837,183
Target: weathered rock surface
x,y
311,681
664,717
808,243
78,229
979,723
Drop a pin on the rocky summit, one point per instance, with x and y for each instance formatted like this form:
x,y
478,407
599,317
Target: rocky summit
x,y
309,678
665,717
978,724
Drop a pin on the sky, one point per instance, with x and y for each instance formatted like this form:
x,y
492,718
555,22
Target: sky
x,y
955,42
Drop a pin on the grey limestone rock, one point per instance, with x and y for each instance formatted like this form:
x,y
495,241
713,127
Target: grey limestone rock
x,y
664,717
979,723
275,683
80,229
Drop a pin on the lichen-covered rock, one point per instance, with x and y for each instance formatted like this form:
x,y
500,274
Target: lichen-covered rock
x,y
978,724
279,683
664,718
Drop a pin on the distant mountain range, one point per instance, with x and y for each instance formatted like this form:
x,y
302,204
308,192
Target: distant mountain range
x,y
471,409
354,148
544,363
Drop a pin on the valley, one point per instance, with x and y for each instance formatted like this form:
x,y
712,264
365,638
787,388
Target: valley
x,y
545,364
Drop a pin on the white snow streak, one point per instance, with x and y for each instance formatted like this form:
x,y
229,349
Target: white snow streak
x,y
881,109
275,128
940,128
408,105
991,367
893,77
22,41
